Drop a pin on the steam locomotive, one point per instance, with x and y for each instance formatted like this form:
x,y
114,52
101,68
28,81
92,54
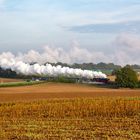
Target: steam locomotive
x,y
100,80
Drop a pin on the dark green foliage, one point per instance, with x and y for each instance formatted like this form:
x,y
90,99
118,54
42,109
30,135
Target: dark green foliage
x,y
139,84
114,72
7,73
126,77
62,79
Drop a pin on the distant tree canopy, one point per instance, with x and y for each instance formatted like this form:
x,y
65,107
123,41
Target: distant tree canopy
x,y
126,77
89,66
7,73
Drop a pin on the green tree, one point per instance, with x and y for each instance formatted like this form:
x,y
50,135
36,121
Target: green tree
x,y
127,77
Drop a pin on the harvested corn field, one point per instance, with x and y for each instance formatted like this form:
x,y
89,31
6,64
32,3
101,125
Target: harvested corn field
x,y
87,119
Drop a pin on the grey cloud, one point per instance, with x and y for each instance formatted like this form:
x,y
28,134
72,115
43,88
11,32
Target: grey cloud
x,y
131,26
127,49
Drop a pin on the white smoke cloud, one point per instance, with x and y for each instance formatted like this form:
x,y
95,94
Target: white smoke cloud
x,y
54,55
126,49
21,63
47,70
129,42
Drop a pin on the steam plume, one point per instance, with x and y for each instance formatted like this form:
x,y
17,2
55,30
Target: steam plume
x,y
21,67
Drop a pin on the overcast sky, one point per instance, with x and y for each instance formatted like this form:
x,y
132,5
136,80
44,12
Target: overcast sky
x,y
76,30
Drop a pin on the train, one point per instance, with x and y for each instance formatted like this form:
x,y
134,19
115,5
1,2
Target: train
x,y
74,79
101,80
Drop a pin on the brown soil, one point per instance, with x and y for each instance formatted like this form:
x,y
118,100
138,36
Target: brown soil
x,y
59,90
7,80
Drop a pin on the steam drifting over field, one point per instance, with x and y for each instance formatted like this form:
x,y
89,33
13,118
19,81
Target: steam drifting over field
x,y
21,67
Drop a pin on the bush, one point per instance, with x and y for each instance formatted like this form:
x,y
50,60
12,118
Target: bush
x,y
127,77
